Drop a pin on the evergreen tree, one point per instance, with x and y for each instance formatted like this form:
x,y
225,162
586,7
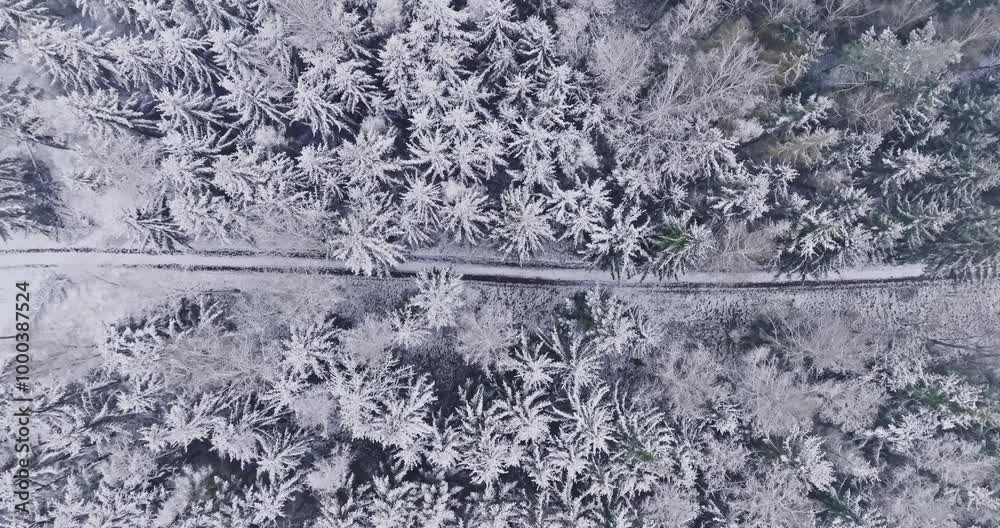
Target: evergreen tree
x,y
968,249
153,227
366,238
28,198
523,224
678,245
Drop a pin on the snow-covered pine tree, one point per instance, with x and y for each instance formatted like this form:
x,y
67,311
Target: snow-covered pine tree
x,y
620,244
523,224
366,238
152,227
440,297
28,198
678,244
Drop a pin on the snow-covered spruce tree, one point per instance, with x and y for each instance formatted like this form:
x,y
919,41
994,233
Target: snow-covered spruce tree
x,y
28,199
826,236
17,122
679,245
620,246
439,297
970,249
485,334
366,238
522,225
151,227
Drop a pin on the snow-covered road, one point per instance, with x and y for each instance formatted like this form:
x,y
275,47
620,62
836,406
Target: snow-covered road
x,y
92,258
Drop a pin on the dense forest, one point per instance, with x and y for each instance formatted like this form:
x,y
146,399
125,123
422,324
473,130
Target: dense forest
x,y
645,138
251,410
798,136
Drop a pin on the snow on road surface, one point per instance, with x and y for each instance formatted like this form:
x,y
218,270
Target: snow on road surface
x,y
75,292
315,263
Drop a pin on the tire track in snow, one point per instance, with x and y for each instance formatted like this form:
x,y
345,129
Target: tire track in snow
x,y
314,263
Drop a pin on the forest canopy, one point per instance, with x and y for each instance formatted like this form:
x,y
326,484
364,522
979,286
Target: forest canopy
x,y
257,410
643,137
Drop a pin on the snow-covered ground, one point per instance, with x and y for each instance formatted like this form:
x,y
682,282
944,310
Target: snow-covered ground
x,y
315,263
